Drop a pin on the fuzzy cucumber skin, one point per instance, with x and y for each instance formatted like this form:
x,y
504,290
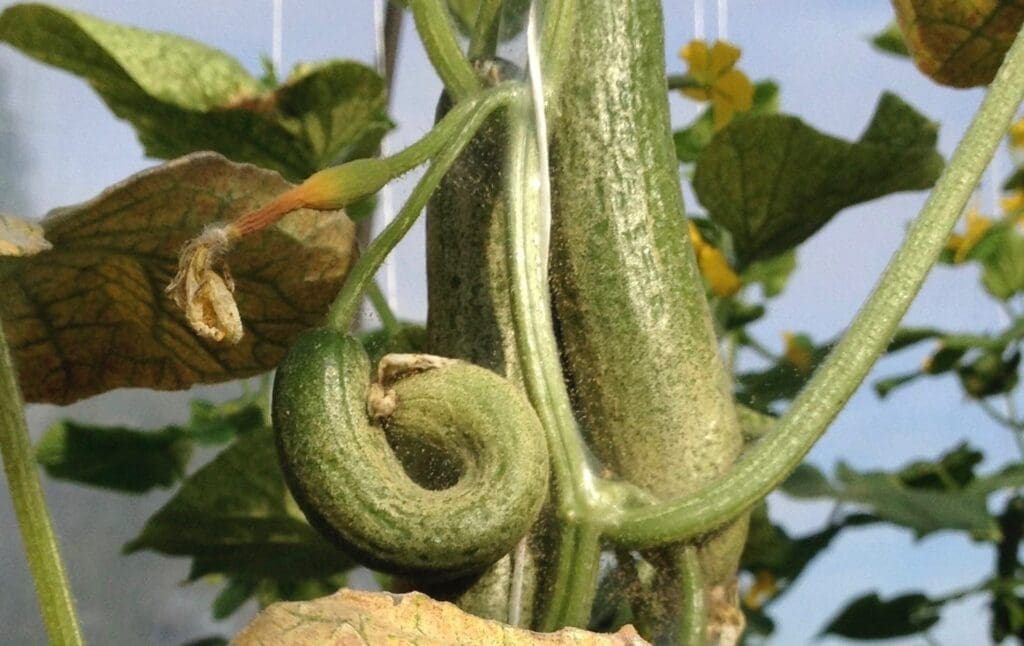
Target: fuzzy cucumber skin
x,y
348,480
649,386
469,311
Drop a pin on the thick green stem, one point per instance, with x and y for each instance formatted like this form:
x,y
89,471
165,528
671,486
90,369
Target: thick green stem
x,y
559,20
438,39
768,463
58,608
484,41
575,577
694,614
574,572
538,350
459,127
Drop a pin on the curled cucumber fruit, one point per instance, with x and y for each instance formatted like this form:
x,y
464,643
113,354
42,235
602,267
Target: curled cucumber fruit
x,y
438,469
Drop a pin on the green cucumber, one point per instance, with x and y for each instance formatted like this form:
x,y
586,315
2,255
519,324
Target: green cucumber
x,y
469,312
398,509
650,388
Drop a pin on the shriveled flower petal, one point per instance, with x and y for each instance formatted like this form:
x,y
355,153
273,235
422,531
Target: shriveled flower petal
x,y
204,290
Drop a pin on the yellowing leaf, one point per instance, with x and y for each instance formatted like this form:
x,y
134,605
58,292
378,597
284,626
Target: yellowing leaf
x,y
359,618
959,43
91,314
20,237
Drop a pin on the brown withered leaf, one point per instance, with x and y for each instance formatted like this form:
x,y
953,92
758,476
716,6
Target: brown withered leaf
x,y
91,314
351,618
961,43
19,237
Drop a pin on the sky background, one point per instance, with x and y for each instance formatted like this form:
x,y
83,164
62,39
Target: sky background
x,y
59,145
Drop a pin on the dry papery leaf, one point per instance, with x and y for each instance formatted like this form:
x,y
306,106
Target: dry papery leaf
x,y
91,314
959,44
20,237
350,618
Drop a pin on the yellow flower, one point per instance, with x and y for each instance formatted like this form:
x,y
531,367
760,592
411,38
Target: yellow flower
x,y
728,89
1017,134
798,351
764,588
961,244
1013,204
713,266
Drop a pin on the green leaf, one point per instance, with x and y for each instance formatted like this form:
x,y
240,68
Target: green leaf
x,y
925,497
513,16
924,511
908,336
690,141
953,470
807,481
1001,254
883,387
990,374
944,359
1015,180
772,273
207,641
214,424
232,597
871,617
960,44
91,314
735,313
779,382
773,181
1011,477
770,548
235,517
182,96
890,40
114,458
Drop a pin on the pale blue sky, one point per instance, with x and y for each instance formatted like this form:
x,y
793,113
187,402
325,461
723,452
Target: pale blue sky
x,y
829,75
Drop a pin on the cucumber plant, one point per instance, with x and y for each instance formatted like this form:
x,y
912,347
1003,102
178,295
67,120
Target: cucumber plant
x,y
562,444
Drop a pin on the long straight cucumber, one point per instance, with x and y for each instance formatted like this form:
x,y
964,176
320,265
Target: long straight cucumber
x,y
650,388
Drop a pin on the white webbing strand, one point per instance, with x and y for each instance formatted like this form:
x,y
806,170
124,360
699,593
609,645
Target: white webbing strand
x,y
723,20
385,204
698,19
277,36
540,123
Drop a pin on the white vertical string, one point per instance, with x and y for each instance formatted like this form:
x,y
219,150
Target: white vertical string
x,y
698,19
386,204
541,127
277,36
723,19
